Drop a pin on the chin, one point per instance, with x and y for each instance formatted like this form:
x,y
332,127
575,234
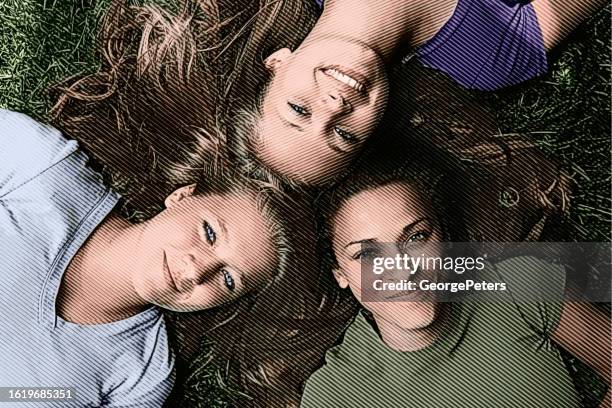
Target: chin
x,y
414,315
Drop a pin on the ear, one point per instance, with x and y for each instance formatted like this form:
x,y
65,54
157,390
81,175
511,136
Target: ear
x,y
277,58
179,194
340,278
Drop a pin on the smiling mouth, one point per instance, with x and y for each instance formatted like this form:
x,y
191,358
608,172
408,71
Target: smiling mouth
x,y
168,274
407,296
347,79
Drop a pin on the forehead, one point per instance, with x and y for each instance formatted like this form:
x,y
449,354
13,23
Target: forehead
x,y
380,212
302,157
228,203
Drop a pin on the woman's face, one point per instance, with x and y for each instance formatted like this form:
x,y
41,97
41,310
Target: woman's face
x,y
203,251
323,102
390,214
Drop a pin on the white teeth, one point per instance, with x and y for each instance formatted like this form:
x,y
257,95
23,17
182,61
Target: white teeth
x,y
345,79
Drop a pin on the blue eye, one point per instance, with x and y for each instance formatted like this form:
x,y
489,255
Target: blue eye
x,y
209,233
298,109
229,280
346,136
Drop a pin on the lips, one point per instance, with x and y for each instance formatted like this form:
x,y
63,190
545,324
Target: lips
x,y
347,77
409,296
168,275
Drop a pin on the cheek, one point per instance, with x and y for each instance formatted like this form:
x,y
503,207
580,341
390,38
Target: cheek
x,y
351,270
183,232
294,80
369,119
382,96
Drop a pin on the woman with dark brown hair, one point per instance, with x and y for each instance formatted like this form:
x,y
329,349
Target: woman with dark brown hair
x,y
430,335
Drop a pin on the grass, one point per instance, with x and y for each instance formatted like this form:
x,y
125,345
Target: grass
x,y
42,42
567,112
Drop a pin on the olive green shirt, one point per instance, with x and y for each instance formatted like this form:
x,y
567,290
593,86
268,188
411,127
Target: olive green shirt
x,y
493,354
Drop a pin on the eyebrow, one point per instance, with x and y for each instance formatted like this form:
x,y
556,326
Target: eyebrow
x,y
244,277
408,228
361,241
224,230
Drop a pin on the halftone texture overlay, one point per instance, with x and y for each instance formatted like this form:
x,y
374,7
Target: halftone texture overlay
x,y
491,354
564,115
487,45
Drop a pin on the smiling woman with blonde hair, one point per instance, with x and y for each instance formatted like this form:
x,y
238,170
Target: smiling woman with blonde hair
x,y
325,98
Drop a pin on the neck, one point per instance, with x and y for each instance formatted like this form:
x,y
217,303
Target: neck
x,y
97,286
383,25
401,339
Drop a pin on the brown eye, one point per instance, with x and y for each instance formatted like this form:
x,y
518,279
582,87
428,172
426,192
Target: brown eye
x,y
419,236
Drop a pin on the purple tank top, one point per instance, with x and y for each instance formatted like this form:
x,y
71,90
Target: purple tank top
x,y
487,44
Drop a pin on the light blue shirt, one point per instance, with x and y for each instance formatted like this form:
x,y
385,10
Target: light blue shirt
x,y
50,202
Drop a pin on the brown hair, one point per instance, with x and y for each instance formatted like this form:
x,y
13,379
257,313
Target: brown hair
x,y
169,77
430,171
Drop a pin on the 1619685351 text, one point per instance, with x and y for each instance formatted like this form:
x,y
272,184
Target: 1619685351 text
x,y
31,394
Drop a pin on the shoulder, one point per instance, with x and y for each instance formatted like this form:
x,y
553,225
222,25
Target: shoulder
x,y
535,289
532,278
28,148
21,134
488,45
346,365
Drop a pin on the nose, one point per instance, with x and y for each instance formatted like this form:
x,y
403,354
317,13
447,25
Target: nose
x,y
334,100
196,269
397,274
